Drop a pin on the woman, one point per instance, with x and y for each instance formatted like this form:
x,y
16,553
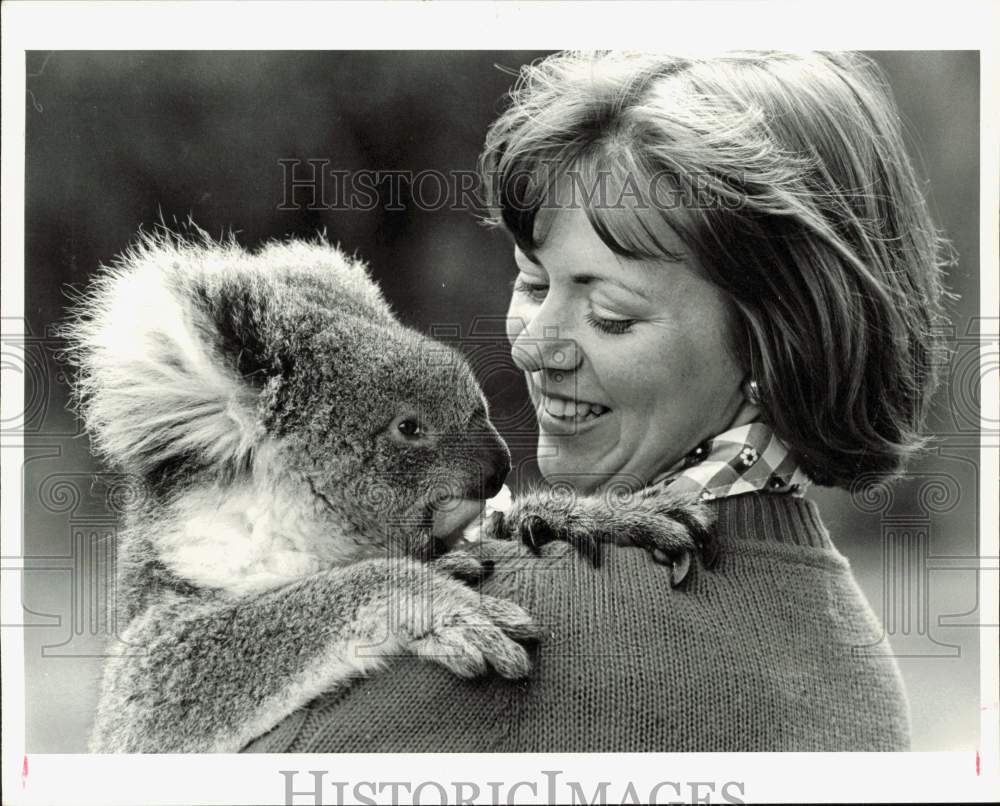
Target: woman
x,y
728,287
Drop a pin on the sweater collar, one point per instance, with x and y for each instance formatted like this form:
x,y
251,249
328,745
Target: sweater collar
x,y
750,520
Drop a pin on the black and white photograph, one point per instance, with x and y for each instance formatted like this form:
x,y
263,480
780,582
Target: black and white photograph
x,y
448,423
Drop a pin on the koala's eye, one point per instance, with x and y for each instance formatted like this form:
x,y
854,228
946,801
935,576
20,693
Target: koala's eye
x,y
409,427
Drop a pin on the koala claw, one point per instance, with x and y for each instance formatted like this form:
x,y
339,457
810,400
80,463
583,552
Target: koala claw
x,y
464,566
672,537
471,651
674,549
468,642
513,619
679,567
534,531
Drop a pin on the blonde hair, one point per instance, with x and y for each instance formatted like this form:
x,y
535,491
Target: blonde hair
x,y
788,183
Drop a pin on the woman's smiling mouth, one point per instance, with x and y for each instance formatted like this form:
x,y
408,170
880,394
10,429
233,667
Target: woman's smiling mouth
x,y
565,416
572,409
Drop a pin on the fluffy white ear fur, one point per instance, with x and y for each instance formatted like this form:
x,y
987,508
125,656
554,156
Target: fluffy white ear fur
x,y
151,385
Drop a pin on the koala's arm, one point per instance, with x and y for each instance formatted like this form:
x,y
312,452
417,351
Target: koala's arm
x,y
212,677
672,528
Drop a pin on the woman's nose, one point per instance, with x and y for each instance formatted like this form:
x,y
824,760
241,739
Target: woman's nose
x,y
544,349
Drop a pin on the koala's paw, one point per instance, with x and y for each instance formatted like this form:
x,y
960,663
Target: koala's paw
x,y
671,529
478,632
697,519
464,566
532,523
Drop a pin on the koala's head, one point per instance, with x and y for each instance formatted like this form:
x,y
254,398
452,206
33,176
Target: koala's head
x,y
281,382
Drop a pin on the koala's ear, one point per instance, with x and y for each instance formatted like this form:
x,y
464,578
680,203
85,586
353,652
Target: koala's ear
x,y
323,275
236,317
150,341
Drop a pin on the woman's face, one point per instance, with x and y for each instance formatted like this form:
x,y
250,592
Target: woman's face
x,y
626,361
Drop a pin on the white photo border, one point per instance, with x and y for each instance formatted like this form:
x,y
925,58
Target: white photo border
x,y
816,777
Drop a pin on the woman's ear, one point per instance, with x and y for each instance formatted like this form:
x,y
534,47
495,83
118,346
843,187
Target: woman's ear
x,y
750,408
751,391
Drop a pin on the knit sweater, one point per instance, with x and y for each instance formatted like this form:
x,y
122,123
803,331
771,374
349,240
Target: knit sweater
x,y
763,653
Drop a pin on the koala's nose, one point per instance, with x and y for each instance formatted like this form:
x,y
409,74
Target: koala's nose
x,y
490,454
496,472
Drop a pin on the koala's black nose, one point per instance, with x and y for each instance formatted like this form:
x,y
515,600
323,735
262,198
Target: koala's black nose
x,y
491,456
495,478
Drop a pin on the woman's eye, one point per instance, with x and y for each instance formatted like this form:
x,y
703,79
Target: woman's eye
x,y
535,291
410,428
614,326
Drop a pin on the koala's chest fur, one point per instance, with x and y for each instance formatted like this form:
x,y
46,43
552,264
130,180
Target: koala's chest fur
x,y
257,536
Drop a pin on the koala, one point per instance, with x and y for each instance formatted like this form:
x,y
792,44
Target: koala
x,y
302,464
298,455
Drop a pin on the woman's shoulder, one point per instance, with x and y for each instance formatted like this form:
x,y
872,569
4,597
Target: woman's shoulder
x,y
765,652
772,550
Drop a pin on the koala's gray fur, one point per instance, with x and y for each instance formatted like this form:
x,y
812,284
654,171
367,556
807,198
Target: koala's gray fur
x,y
279,540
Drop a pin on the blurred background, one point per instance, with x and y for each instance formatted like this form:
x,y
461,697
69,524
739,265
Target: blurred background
x,y
121,140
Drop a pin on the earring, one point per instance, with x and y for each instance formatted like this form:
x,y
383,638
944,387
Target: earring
x,y
751,391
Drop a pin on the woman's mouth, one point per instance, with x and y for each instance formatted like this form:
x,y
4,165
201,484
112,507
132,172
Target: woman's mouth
x,y
559,416
572,410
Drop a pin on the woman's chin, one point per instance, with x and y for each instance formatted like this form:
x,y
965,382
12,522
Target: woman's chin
x,y
582,473
587,471
579,454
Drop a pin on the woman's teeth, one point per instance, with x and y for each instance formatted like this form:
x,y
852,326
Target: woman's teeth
x,y
572,410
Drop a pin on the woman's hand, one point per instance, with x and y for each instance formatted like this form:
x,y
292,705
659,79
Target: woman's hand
x,y
671,528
